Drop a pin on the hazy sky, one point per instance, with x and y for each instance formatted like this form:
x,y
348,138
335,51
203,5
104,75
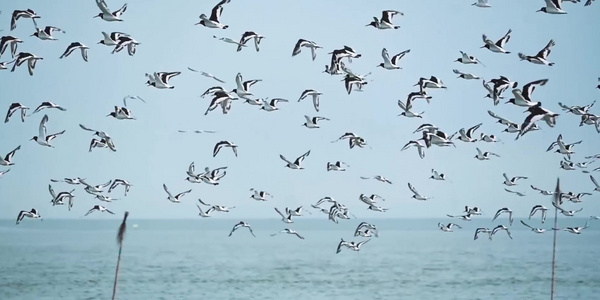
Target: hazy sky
x,y
151,151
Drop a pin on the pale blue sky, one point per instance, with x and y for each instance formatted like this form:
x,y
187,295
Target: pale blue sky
x,y
151,151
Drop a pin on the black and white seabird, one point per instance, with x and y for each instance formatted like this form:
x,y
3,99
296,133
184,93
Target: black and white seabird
x,y
33,213
7,160
48,104
11,41
31,60
76,46
386,20
297,164
17,14
111,39
498,46
99,208
107,15
248,35
43,138
46,34
15,107
541,58
308,44
536,113
391,64
504,210
539,208
553,7
175,199
160,80
215,16
222,144
239,225
315,97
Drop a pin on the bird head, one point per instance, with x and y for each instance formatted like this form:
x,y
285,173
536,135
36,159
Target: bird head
x,y
98,15
543,9
35,138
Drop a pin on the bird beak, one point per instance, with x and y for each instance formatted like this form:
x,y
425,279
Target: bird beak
x,y
538,10
482,46
506,102
367,25
95,16
31,139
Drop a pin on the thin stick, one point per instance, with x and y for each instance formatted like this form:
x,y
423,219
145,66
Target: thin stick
x,y
557,196
120,237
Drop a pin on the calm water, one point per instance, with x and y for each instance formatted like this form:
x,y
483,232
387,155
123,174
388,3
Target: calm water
x,y
194,259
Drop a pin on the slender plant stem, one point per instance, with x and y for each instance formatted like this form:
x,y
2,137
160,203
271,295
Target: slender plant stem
x,y
120,237
557,200
116,275
552,288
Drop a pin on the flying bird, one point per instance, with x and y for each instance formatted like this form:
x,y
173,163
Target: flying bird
x,y
176,198
76,46
416,194
391,64
215,16
48,104
239,225
33,213
17,14
14,107
99,208
106,15
498,46
297,164
541,58
289,231
553,7
31,60
307,44
386,20
248,35
504,210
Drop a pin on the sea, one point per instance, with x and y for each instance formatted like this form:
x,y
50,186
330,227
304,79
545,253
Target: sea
x,y
196,259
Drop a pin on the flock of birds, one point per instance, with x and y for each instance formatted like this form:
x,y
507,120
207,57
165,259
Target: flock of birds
x,y
335,211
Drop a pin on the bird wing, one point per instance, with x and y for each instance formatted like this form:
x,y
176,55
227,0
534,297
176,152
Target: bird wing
x,y
530,87
412,188
594,181
103,7
167,190
460,73
385,55
279,212
301,158
42,128
398,56
546,51
402,105
285,159
217,11
298,47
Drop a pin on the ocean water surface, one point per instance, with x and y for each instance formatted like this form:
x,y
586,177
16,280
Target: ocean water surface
x,y
195,259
